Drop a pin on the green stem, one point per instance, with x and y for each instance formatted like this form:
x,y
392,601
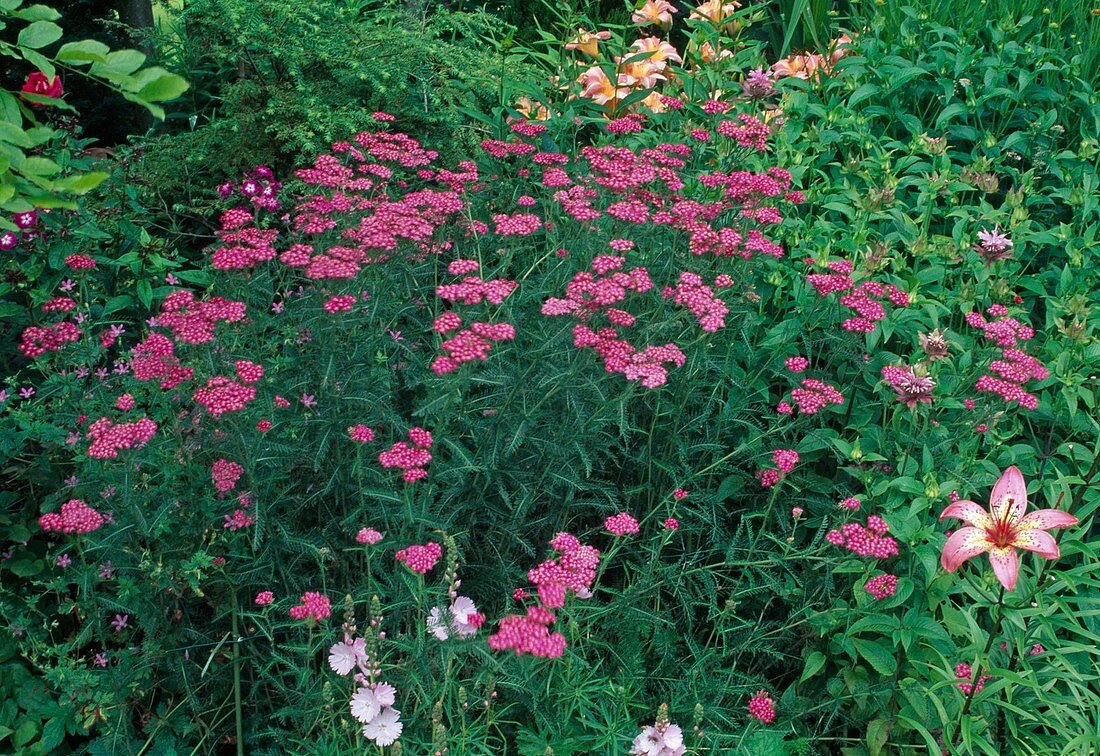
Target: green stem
x,y
237,710
996,631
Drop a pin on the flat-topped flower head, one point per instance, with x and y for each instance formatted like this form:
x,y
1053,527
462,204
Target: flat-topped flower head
x,y
1003,529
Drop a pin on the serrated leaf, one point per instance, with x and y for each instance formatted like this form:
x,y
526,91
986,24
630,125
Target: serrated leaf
x,y
881,660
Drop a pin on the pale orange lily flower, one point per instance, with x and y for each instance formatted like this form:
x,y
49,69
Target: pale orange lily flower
x,y
715,11
657,12
839,48
598,87
806,67
707,54
654,103
587,42
531,110
661,51
1003,529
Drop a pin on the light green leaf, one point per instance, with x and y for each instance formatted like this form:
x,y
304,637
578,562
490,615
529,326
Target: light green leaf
x,y
166,86
39,34
37,13
119,64
82,183
85,51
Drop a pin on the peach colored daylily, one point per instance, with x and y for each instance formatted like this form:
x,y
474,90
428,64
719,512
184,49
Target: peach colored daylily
x,y
587,42
715,11
657,12
662,51
804,67
1003,529
598,87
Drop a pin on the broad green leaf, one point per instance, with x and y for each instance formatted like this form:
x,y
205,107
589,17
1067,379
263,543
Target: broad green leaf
x,y
39,61
85,51
37,13
880,659
167,86
878,733
82,183
120,63
814,662
39,34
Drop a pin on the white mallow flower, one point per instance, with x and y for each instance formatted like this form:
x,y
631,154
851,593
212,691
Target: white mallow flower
x,y
367,703
385,728
463,612
437,623
344,657
459,619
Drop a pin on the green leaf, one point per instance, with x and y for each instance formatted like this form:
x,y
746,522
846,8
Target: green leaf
x,y
39,34
82,183
14,135
52,734
85,51
39,61
114,304
39,166
878,733
166,86
119,64
145,292
814,662
880,659
861,94
37,13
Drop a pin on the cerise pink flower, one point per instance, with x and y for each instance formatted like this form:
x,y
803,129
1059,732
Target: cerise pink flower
x,y
1003,529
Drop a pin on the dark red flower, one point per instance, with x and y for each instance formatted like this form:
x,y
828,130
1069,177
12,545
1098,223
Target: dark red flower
x,y
38,83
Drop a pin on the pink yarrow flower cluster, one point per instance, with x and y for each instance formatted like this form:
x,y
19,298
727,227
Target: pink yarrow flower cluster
x,y
75,517
865,540
221,395
965,673
573,571
621,524
154,359
225,475
699,298
37,340
812,397
313,606
762,707
412,457
785,461
108,438
192,321
420,558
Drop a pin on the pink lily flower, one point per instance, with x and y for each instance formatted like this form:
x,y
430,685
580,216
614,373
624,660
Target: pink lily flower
x,y
1003,529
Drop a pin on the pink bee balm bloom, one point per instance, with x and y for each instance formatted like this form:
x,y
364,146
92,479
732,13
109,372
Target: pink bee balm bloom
x,y
1003,529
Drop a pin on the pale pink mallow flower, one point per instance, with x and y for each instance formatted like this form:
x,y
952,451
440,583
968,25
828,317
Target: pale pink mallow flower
x,y
368,702
386,728
1003,529
659,741
345,656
